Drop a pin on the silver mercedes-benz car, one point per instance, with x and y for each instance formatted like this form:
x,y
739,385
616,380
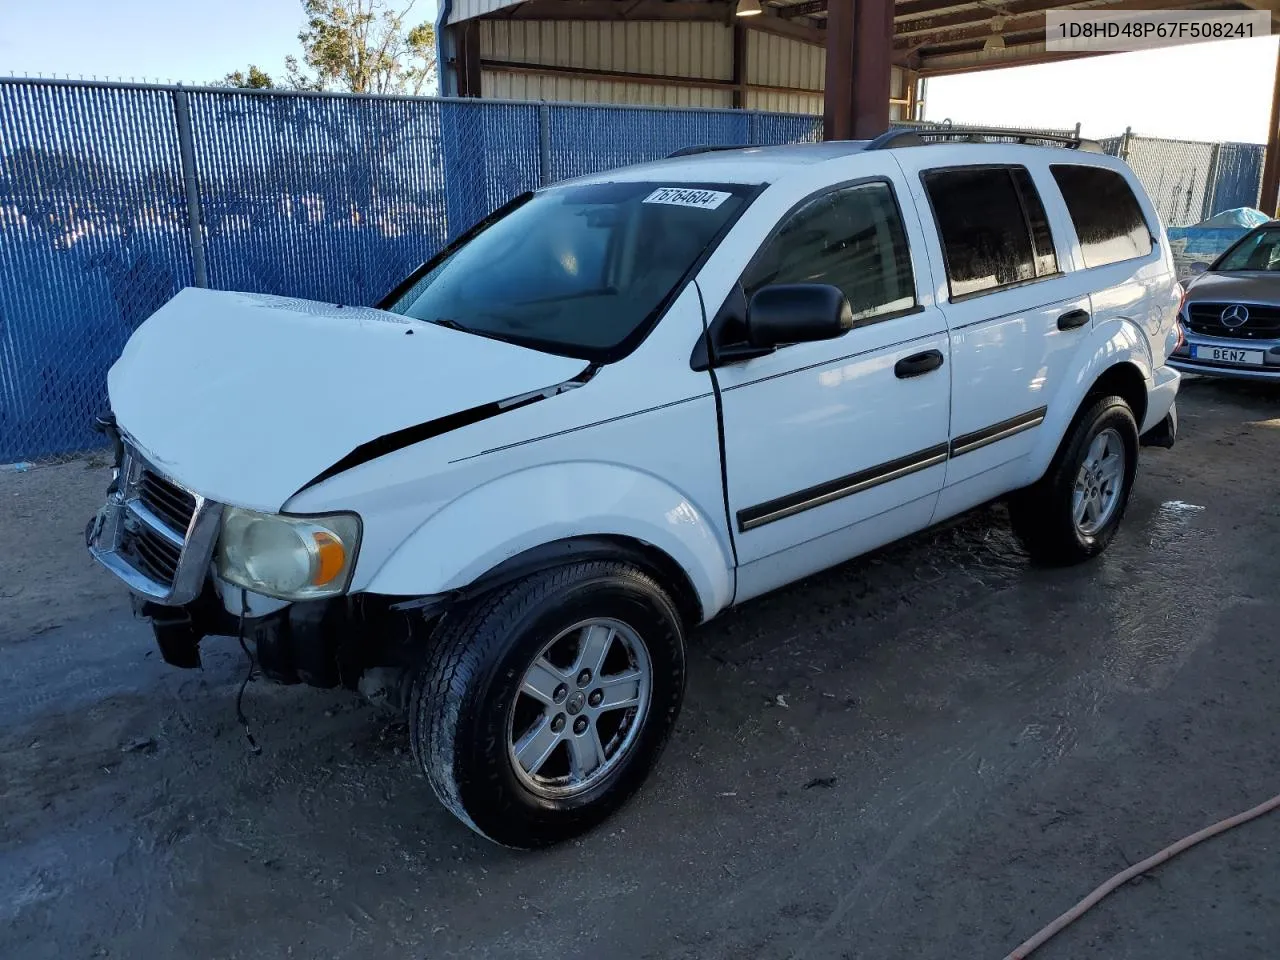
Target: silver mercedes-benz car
x,y
1230,314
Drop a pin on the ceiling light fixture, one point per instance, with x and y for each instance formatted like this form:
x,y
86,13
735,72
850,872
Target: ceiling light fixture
x,y
748,8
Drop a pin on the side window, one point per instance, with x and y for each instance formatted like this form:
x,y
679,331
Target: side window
x,y
992,225
1106,214
851,238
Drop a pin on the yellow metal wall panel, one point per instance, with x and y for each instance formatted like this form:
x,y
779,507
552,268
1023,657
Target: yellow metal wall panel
x,y
508,85
470,9
775,102
702,50
695,50
897,83
776,61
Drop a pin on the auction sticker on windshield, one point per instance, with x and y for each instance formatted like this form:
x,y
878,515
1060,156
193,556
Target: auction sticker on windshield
x,y
684,197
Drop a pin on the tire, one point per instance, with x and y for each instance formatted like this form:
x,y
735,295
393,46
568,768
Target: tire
x,y
470,710
1044,514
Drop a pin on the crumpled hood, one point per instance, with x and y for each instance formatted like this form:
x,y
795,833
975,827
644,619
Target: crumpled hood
x,y
1245,286
245,398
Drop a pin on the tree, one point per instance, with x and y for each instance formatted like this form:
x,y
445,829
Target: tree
x,y
251,79
363,46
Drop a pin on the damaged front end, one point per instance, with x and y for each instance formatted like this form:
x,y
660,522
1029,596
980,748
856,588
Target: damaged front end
x,y
322,643
151,532
233,559
159,538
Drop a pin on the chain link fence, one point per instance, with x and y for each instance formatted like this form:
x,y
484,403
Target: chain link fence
x,y
115,196
1190,181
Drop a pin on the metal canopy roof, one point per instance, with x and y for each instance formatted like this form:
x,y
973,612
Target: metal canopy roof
x,y
930,36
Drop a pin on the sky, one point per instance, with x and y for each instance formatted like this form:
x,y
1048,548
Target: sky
x,y
1208,91
186,41
1218,91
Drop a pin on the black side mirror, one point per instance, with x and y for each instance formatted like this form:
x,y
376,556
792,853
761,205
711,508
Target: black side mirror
x,y
797,313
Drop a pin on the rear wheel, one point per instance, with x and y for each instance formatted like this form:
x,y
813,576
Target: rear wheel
x,y
542,706
1073,512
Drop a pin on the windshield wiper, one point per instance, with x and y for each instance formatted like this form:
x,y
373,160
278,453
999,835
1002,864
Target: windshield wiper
x,y
451,324
487,334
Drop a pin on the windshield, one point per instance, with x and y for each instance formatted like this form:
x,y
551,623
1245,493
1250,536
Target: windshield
x,y
1260,251
579,270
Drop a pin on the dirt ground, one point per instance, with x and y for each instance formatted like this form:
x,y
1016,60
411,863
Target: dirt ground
x,y
926,753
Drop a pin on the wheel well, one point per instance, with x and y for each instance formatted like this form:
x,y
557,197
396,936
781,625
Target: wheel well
x,y
1124,380
653,560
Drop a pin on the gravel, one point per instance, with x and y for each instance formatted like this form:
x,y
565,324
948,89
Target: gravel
x,y
928,752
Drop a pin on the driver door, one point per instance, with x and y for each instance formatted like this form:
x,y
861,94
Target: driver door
x,y
837,446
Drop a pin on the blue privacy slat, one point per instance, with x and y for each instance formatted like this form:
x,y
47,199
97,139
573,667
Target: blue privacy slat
x,y
330,198
1239,177
333,198
587,139
490,156
325,198
92,240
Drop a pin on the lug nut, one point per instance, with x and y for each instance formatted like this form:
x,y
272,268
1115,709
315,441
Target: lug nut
x,y
595,698
584,678
557,723
561,692
580,726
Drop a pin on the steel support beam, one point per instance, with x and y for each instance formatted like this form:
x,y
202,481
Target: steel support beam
x,y
976,61
1271,166
613,10
859,69
739,66
788,28
738,87
806,9
930,30
466,63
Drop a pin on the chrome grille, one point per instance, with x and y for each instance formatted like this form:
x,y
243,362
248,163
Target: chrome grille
x,y
1206,320
154,534
172,504
151,553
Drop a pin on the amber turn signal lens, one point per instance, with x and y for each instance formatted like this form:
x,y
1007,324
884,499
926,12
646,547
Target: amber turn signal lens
x,y
331,556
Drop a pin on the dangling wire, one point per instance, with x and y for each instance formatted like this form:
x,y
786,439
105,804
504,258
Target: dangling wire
x,y
243,720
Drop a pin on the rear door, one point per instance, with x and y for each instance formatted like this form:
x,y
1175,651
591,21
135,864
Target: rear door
x,y
1015,318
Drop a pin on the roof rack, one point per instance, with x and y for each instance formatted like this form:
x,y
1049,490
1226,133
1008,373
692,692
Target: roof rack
x,y
708,148
925,136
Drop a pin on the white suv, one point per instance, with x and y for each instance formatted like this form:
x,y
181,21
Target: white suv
x,y
618,407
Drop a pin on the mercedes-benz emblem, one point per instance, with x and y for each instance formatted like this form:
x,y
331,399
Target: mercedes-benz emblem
x,y
1235,316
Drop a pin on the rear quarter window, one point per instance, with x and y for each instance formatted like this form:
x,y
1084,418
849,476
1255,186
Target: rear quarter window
x,y
1108,220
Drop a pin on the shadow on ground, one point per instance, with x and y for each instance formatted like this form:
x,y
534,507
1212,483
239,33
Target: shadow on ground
x,y
929,752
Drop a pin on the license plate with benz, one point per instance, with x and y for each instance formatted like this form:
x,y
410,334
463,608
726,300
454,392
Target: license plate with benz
x,y
1227,355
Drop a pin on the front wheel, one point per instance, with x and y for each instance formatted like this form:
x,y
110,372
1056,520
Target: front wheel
x,y
541,707
1073,512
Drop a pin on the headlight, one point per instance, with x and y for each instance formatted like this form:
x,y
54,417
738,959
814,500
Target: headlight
x,y
290,558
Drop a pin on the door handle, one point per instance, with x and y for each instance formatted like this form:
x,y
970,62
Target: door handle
x,y
1072,319
917,364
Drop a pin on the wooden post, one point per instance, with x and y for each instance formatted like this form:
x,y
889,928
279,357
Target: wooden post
x,y
739,66
859,47
1271,166
466,63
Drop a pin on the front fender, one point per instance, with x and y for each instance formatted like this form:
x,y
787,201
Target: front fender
x,y
526,509
1112,342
